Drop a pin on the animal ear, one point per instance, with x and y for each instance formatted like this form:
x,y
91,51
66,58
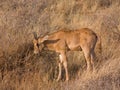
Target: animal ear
x,y
45,37
35,35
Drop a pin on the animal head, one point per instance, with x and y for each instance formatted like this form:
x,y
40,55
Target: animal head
x,y
38,43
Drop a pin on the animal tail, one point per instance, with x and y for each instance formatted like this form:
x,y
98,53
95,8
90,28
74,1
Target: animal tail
x,y
99,45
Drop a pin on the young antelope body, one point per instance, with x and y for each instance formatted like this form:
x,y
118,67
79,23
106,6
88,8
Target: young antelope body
x,y
63,40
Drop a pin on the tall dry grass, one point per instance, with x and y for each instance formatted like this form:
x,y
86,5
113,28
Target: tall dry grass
x,y
20,69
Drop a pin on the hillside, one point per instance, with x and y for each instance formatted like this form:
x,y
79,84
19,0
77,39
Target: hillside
x,y
22,70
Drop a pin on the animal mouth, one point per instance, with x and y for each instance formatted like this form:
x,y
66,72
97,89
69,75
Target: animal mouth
x,y
36,52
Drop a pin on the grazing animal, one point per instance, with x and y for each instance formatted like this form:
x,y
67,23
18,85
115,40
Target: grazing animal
x,y
64,40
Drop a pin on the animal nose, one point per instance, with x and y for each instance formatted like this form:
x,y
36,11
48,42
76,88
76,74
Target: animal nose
x,y
35,52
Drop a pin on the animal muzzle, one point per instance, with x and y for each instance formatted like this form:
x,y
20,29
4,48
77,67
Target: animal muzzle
x,y
36,52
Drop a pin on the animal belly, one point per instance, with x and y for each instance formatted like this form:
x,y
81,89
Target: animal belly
x,y
76,48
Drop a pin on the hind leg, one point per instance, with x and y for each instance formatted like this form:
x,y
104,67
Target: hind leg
x,y
87,55
92,59
88,61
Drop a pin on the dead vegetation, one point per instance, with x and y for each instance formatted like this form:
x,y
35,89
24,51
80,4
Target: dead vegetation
x,y
20,69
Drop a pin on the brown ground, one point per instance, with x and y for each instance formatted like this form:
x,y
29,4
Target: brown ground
x,y
20,69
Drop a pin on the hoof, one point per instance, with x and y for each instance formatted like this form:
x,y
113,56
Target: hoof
x,y
67,80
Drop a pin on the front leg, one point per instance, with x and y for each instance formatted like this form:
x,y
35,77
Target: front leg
x,y
66,68
64,60
60,71
60,67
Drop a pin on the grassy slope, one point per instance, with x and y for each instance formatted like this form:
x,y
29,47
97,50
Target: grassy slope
x,y
21,70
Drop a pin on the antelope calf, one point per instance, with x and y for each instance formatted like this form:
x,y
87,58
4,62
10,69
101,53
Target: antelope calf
x,y
63,40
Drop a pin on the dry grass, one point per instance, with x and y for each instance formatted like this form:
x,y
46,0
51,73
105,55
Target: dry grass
x,y
20,69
